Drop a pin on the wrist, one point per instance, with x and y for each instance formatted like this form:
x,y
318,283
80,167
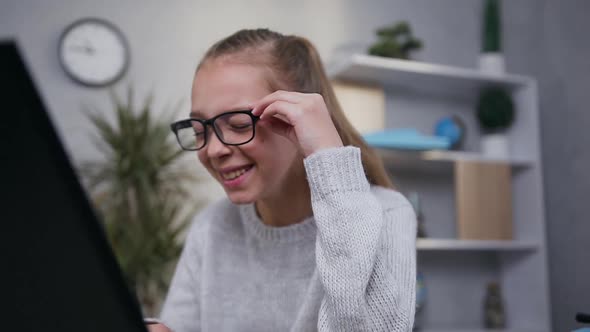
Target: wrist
x,y
325,146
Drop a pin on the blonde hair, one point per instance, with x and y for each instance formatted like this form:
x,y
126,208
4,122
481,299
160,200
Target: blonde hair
x,y
294,64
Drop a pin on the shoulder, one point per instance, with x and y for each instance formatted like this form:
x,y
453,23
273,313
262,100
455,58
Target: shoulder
x,y
219,217
222,209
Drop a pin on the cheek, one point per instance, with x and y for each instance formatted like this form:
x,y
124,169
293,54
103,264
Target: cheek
x,y
263,148
204,160
202,157
273,153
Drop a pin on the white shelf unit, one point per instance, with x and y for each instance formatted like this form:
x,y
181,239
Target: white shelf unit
x,y
474,245
456,271
440,160
413,75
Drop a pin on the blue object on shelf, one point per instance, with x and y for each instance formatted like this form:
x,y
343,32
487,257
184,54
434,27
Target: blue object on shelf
x,y
451,127
406,139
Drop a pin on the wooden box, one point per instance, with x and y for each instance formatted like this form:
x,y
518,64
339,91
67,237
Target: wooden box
x,y
483,201
363,105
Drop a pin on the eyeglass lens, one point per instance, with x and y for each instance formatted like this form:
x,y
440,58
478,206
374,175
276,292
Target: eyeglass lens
x,y
233,128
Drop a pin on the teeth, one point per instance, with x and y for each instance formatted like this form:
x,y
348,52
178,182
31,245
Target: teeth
x,y
234,174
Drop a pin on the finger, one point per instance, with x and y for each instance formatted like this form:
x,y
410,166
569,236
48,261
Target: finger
x,y
282,118
279,127
288,96
285,111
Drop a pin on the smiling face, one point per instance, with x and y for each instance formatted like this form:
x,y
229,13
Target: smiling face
x,y
261,169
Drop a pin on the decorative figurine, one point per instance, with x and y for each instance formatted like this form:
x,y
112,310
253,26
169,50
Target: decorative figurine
x,y
494,317
414,199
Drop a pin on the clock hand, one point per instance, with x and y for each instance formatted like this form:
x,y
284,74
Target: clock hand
x,y
83,49
78,48
89,49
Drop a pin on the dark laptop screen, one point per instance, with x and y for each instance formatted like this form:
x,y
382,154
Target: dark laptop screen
x,y
58,272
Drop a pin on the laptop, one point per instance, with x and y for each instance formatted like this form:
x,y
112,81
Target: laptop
x,y
58,272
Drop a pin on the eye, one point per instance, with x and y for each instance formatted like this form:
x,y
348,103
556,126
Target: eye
x,y
240,125
239,122
198,129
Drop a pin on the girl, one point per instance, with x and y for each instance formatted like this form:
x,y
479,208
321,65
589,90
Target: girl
x,y
311,235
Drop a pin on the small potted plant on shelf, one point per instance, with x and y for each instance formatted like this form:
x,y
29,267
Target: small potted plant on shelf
x,y
395,41
491,59
495,114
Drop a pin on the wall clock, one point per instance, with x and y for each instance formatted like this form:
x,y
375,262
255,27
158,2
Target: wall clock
x,y
93,52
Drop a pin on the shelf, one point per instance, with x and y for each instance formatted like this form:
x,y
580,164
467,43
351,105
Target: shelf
x,y
415,95
473,245
441,160
406,75
452,156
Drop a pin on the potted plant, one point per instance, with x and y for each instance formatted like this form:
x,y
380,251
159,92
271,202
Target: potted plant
x,y
395,41
495,113
491,59
141,191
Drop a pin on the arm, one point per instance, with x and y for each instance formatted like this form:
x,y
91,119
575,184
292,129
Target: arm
x,y
181,310
365,253
365,250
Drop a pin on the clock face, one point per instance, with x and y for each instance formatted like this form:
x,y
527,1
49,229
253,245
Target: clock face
x,y
93,52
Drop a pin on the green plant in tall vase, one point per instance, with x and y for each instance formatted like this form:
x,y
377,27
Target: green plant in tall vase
x,y
142,190
495,114
491,59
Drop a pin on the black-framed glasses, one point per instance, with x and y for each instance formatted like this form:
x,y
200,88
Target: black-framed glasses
x,y
231,128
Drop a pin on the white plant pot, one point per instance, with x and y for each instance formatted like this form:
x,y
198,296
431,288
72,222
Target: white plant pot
x,y
492,63
495,145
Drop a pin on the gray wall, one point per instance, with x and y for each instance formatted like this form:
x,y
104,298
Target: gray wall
x,y
553,45
167,39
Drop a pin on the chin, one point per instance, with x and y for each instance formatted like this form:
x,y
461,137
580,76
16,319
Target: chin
x,y
241,197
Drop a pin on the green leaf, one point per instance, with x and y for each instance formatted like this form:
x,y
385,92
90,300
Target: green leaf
x,y
491,33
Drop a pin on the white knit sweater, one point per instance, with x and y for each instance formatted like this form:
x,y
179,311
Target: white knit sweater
x,y
350,267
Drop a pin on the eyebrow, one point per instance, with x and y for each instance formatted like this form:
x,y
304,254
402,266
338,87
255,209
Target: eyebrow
x,y
195,114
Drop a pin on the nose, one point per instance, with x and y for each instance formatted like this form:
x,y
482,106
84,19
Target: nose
x,y
216,148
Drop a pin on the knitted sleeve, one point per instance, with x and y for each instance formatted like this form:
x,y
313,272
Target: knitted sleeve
x,y
181,310
365,248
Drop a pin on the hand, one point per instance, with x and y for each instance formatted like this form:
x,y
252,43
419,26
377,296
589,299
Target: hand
x,y
301,117
157,328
